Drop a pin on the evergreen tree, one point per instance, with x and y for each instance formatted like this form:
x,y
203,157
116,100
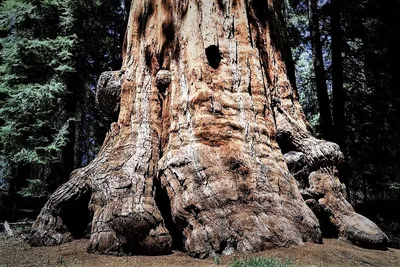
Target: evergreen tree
x,y
37,62
52,55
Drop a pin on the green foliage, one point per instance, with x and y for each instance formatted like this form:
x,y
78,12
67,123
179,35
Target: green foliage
x,y
28,137
15,13
261,262
36,63
35,189
51,54
217,260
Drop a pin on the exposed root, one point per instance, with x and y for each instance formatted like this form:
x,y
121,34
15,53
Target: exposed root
x,y
313,163
49,228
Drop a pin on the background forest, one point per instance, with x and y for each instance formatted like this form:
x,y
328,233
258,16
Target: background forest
x,y
52,53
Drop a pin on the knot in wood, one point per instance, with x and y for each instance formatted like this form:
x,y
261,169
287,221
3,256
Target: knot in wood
x,y
163,78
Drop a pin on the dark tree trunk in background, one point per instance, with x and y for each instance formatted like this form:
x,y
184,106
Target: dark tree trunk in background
x,y
338,93
337,76
72,156
208,134
320,79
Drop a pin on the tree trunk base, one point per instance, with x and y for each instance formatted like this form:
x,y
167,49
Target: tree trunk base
x,y
194,162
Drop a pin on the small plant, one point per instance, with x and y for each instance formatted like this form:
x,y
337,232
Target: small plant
x,y
261,262
217,260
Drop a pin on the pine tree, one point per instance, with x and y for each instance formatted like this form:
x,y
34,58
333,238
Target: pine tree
x,y
37,61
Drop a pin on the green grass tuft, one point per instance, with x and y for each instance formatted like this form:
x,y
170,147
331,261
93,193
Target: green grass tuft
x,y
261,262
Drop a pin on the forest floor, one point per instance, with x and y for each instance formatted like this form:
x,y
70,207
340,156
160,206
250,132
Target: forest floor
x,y
15,252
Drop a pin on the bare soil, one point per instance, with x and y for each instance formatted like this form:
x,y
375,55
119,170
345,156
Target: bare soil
x,y
15,252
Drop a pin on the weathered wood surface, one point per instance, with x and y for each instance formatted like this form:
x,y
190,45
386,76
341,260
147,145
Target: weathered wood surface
x,y
193,162
108,92
7,229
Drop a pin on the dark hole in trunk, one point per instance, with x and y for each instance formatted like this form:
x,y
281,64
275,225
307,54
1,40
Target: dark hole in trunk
x,y
222,247
163,204
213,56
284,140
76,215
328,229
131,231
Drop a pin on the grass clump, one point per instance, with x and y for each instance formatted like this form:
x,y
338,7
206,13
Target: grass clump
x,y
261,262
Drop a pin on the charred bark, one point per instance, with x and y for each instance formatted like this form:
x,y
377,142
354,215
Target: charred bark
x,y
193,161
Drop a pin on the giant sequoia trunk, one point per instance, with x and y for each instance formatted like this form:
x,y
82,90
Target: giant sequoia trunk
x,y
209,131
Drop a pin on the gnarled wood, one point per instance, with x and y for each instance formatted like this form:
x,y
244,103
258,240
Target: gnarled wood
x,y
108,92
125,217
193,161
49,227
313,163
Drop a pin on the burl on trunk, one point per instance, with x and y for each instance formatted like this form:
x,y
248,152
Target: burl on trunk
x,y
211,152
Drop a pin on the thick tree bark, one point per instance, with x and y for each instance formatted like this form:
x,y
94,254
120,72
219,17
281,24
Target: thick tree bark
x,y
319,70
193,162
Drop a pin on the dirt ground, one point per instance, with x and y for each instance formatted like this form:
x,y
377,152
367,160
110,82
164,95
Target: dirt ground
x,y
15,252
